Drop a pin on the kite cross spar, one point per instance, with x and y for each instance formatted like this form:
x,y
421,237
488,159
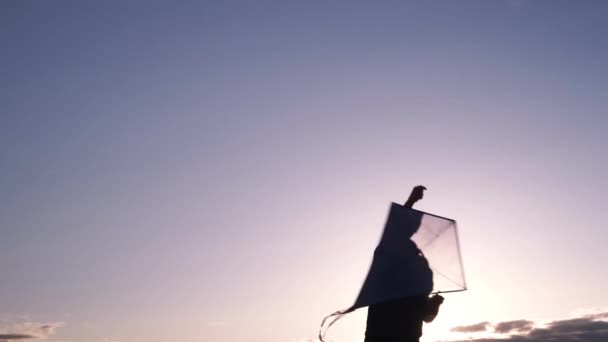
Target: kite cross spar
x,y
417,258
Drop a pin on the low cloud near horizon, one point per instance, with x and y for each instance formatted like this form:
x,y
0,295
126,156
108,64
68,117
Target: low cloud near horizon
x,y
27,331
587,328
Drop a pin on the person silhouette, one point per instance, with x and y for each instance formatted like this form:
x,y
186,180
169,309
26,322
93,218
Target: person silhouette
x,y
401,320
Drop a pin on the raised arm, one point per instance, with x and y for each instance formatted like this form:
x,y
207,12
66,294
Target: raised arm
x,y
416,195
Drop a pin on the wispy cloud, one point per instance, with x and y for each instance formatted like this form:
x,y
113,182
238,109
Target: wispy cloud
x,y
521,325
598,316
588,328
4,337
483,326
20,330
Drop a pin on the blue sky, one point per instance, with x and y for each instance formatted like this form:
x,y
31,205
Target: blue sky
x,y
220,171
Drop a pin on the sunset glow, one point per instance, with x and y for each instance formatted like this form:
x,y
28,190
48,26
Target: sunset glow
x,y
220,171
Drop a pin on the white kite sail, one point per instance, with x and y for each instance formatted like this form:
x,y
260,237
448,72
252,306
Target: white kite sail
x,y
418,254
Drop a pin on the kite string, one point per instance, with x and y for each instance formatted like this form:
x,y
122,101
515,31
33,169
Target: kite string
x,y
339,315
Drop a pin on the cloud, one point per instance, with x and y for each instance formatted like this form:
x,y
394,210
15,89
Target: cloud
x,y
7,337
589,328
521,325
25,330
483,326
597,316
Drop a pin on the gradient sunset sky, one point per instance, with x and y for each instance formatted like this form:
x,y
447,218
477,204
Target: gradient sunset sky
x,y
219,171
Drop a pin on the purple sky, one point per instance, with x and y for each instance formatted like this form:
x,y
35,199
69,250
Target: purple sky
x,y
220,171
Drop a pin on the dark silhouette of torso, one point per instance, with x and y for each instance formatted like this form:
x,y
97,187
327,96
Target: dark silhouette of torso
x,y
400,320
396,320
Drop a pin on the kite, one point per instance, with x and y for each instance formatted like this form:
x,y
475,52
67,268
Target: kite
x,y
418,254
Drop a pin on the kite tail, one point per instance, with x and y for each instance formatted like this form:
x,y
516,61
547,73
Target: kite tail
x,y
338,315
